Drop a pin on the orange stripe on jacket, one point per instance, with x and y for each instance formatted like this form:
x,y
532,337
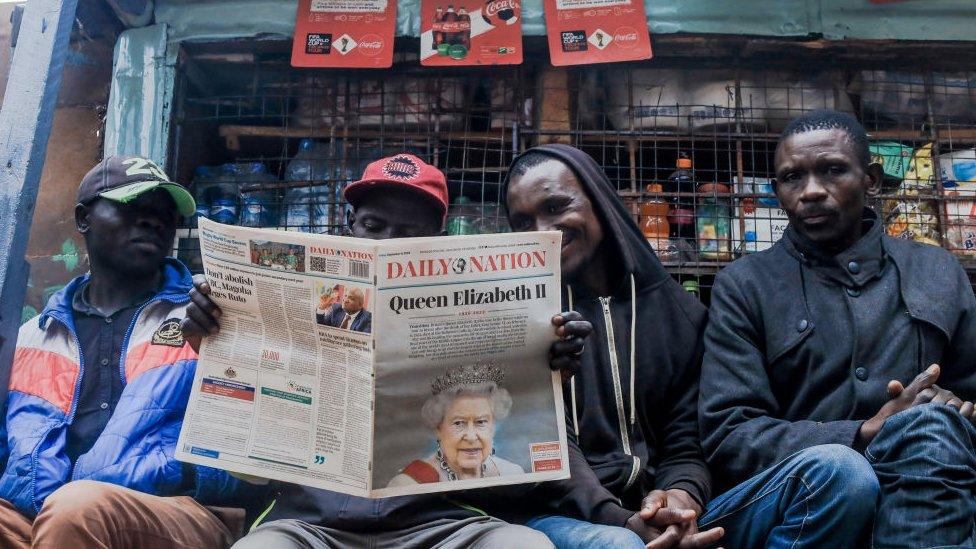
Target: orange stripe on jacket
x,y
146,356
46,375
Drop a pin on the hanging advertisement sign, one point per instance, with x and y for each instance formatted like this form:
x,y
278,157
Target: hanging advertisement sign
x,y
596,31
470,32
344,33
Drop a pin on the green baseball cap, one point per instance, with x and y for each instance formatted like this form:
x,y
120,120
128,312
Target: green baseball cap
x,y
123,178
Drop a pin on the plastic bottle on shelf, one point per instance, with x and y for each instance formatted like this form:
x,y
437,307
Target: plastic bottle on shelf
x,y
463,218
203,179
654,221
306,208
257,204
714,222
682,209
224,196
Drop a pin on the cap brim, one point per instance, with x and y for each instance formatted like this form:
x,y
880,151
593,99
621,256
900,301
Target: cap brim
x,y
354,192
182,197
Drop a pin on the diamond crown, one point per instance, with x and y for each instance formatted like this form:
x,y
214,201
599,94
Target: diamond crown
x,y
467,375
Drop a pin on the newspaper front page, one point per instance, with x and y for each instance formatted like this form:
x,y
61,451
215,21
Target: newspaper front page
x,y
379,368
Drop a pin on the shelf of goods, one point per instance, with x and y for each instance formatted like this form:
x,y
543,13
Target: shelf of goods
x,y
266,144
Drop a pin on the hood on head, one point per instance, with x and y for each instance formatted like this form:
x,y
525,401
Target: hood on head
x,y
619,227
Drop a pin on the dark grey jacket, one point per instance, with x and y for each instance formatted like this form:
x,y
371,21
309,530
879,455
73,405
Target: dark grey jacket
x,y
763,383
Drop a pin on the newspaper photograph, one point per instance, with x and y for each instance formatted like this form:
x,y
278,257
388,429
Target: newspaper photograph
x,y
379,368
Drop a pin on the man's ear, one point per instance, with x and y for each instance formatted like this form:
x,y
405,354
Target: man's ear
x,y
82,222
875,173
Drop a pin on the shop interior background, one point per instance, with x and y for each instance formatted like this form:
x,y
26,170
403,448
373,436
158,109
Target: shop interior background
x,y
264,144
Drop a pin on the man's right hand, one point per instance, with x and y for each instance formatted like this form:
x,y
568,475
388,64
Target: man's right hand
x,y
921,390
202,315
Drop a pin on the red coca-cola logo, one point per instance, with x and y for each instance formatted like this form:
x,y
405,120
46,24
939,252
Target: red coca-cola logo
x,y
494,6
455,26
625,37
370,45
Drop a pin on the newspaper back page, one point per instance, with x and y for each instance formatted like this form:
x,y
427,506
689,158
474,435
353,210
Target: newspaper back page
x,y
285,389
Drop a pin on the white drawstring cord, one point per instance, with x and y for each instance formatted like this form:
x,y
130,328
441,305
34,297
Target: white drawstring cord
x,y
572,380
633,346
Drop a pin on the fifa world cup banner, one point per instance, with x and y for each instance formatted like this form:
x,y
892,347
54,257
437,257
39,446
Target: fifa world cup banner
x,y
379,368
470,32
582,32
344,33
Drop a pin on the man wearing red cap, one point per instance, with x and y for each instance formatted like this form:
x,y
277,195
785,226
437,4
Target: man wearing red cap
x,y
399,196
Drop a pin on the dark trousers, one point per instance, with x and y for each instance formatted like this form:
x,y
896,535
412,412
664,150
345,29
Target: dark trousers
x,y
925,460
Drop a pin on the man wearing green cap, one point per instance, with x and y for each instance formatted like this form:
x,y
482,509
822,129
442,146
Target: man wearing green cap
x,y
99,385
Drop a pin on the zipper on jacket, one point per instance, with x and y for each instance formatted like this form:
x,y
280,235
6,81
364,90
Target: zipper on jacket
x,y
81,372
132,324
615,374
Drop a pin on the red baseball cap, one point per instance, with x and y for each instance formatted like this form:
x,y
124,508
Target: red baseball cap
x,y
402,171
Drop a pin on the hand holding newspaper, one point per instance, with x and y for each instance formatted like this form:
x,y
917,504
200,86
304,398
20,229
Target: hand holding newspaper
x,y
379,368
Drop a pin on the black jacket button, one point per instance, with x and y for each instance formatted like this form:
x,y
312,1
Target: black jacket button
x,y
854,267
861,373
853,292
802,325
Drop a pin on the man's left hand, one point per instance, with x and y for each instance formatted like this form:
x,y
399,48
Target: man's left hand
x,y
675,514
572,331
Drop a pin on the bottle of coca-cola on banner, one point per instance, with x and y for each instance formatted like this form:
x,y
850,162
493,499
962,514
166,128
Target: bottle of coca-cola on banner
x,y
464,29
450,25
437,35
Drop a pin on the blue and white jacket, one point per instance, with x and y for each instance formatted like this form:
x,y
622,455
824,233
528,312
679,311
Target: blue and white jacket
x,y
136,448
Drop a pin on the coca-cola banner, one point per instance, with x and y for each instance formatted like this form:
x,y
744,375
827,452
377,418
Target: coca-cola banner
x,y
344,33
470,32
596,31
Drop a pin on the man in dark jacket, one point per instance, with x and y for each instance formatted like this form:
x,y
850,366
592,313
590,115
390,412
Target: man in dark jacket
x,y
827,339
633,404
385,206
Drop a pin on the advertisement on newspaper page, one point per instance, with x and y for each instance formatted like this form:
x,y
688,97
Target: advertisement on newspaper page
x,y
379,368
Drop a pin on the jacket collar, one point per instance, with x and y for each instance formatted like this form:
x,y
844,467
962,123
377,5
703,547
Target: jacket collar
x,y
853,267
175,285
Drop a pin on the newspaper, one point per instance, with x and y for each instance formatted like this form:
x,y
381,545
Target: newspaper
x,y
379,367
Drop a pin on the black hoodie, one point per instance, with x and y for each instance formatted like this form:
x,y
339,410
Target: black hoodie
x,y
632,409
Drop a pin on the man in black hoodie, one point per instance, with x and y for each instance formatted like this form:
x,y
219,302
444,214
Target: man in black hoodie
x,y
828,339
633,404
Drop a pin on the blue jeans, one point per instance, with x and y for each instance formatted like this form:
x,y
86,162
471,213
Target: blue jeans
x,y
823,496
925,461
570,533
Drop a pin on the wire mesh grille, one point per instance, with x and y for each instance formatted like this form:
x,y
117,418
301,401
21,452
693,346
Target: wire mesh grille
x,y
277,145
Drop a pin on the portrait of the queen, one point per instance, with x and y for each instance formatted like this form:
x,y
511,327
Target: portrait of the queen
x,y
465,405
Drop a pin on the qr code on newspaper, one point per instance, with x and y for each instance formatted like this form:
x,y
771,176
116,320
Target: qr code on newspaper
x,y
327,265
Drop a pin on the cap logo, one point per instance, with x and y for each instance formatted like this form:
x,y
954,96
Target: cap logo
x,y
401,168
143,166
